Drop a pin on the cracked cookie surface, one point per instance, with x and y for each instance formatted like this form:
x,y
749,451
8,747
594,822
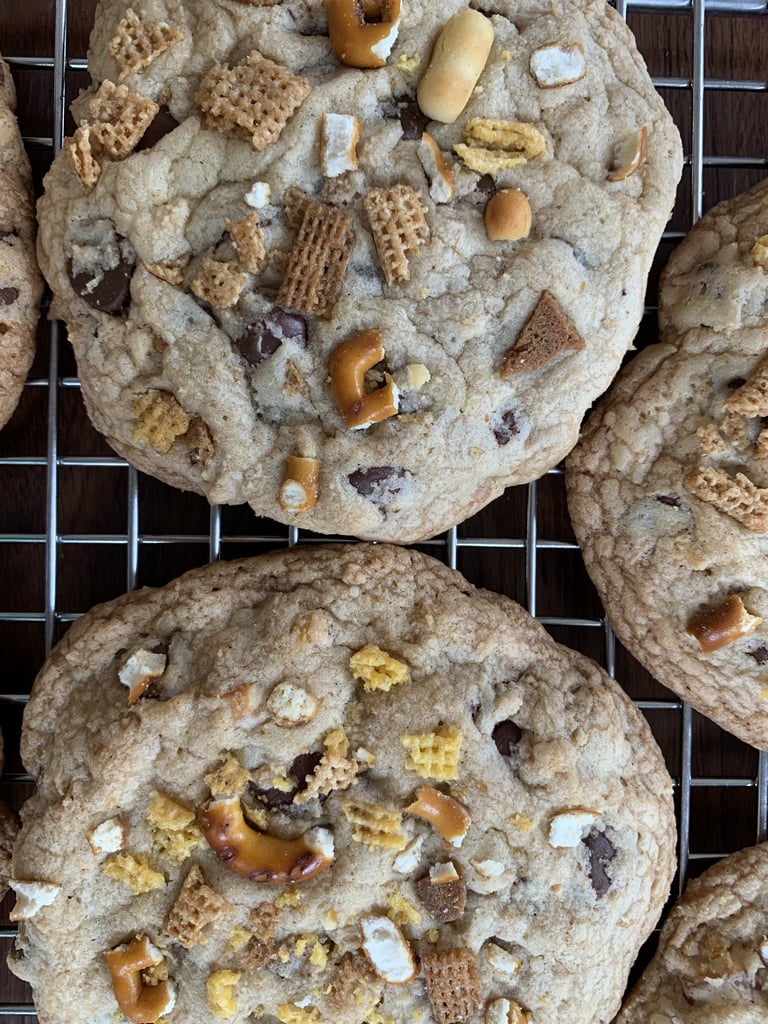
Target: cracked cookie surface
x,y
667,488
254,113
268,765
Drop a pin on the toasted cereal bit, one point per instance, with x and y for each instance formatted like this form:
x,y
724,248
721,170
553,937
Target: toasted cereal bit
x,y
137,44
401,910
453,983
134,871
333,773
735,428
521,822
177,846
163,812
319,257
434,755
710,439
398,220
262,922
80,153
318,956
491,145
248,239
119,118
737,496
159,420
374,825
751,399
199,441
353,982
377,669
255,99
760,252
219,283
171,271
289,898
290,1013
228,779
238,938
197,907
220,991
337,742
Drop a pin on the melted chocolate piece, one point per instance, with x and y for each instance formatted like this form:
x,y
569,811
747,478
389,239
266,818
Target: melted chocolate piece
x,y
673,501
506,427
760,654
506,735
8,296
486,185
302,766
161,125
601,852
379,483
412,120
262,339
112,293
736,383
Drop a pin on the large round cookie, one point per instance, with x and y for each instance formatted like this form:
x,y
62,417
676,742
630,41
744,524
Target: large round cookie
x,y
21,284
667,487
210,279
441,764
712,963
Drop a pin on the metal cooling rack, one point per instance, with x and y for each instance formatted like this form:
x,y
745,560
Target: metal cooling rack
x,y
528,548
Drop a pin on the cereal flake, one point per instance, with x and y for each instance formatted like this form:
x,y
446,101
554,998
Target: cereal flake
x,y
434,755
136,44
197,908
159,420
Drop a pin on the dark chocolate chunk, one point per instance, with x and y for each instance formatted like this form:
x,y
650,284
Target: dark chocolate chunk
x,y
161,125
506,427
601,853
412,120
486,185
111,292
301,766
673,501
736,383
760,654
506,735
263,338
8,296
379,483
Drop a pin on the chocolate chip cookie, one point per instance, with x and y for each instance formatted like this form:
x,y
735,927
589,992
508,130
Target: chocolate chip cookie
x,y
9,826
668,488
712,961
299,271
21,284
333,783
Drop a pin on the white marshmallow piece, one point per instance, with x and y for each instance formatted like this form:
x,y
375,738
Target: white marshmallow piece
x,y
340,135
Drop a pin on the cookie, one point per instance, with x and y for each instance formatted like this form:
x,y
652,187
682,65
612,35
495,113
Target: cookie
x,y
21,284
667,485
713,951
333,783
324,290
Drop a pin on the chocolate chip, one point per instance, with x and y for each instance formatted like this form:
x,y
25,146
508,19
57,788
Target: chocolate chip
x,y
760,654
506,735
506,427
601,852
162,124
263,338
161,648
412,120
109,291
486,185
8,233
379,483
735,383
8,296
673,501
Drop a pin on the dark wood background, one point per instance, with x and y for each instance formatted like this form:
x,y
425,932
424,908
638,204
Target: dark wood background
x,y
92,501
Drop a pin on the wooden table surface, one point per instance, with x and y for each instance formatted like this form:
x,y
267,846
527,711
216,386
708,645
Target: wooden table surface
x,y
77,527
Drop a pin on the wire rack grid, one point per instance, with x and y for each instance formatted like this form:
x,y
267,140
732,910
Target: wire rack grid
x,y
522,545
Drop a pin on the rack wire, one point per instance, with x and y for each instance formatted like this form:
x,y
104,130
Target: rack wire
x,y
522,545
